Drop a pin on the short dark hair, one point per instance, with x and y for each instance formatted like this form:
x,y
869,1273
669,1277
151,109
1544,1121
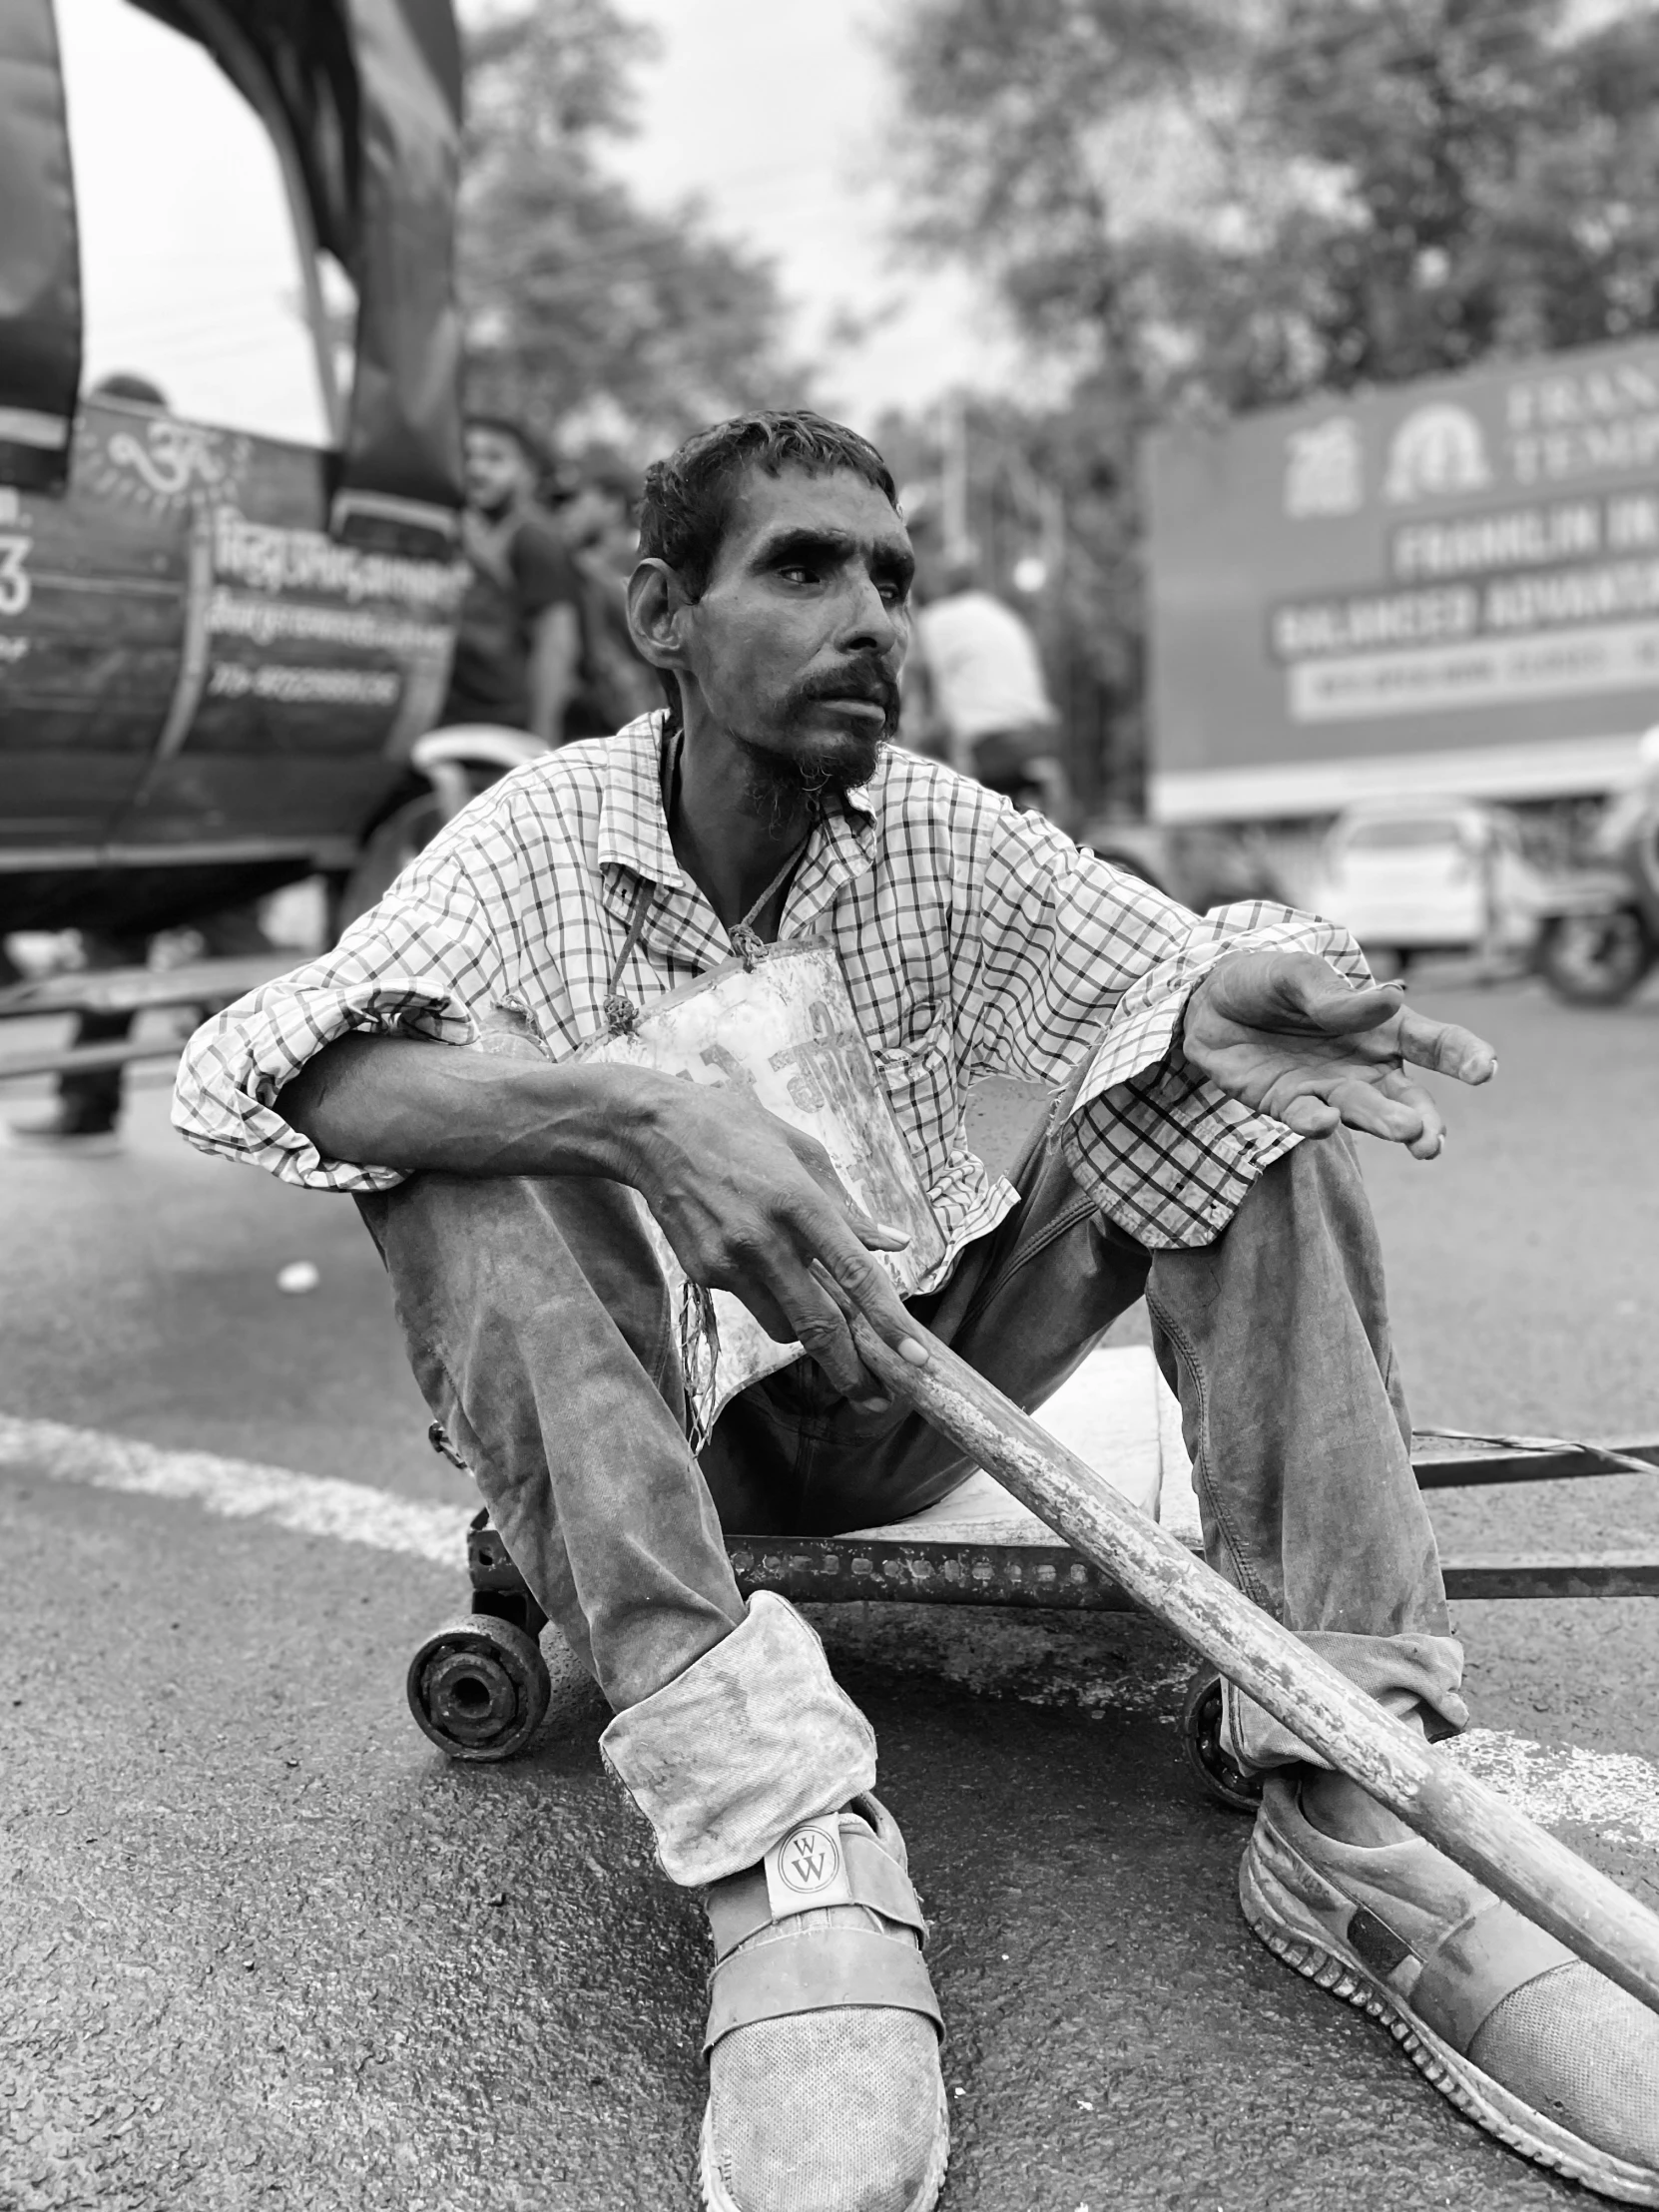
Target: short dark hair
x,y
124,384
688,498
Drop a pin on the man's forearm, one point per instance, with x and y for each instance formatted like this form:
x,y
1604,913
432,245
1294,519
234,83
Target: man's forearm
x,y
398,1102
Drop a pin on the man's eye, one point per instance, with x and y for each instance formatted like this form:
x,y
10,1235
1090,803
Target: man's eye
x,y
797,574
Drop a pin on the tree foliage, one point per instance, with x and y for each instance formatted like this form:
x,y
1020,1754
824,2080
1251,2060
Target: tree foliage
x,y
1197,205
1253,200
588,314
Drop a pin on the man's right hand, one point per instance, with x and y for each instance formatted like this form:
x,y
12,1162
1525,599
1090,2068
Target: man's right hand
x,y
748,1204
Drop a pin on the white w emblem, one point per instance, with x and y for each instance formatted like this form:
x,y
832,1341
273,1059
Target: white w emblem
x,y
810,1861
810,1858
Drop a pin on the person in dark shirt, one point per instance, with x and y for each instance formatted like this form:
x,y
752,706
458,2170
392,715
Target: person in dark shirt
x,y
519,653
599,523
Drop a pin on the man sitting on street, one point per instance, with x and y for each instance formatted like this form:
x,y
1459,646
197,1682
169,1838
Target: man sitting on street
x,y
1197,1154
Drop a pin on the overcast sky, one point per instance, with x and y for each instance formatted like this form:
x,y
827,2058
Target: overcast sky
x,y
776,113
779,114
187,263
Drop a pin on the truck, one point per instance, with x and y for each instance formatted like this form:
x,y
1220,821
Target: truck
x,y
1442,590
226,611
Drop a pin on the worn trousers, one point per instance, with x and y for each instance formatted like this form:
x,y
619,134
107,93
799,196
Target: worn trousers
x,y
545,1339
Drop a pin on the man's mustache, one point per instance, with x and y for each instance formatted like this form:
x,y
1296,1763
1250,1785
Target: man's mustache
x,y
873,684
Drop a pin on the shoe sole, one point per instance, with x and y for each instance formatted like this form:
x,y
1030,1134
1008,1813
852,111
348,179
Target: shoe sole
x,y
718,2198
1293,1934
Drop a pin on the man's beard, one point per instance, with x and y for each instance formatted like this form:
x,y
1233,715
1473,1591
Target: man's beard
x,y
778,781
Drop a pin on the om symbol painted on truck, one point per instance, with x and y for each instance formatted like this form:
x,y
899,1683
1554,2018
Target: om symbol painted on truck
x,y
159,465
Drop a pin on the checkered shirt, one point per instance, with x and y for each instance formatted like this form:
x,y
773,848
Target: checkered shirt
x,y
975,941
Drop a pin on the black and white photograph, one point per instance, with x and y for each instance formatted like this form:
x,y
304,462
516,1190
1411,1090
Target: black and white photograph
x,y
828,1086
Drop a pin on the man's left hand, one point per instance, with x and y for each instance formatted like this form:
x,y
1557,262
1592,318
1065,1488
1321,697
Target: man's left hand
x,y
1283,1034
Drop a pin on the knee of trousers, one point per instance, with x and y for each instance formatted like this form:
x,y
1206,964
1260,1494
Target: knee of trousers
x,y
1307,1218
487,1229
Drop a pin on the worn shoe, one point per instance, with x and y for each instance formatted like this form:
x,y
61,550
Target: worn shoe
x,y
825,2092
1539,2048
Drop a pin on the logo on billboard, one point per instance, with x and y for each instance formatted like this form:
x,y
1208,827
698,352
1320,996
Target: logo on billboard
x,y
1437,452
1323,469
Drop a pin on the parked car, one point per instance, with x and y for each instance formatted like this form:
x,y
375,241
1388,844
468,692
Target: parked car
x,y
1429,876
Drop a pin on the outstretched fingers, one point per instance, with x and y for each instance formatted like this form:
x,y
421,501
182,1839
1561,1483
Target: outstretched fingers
x,y
1326,1002
1445,1048
1394,1109
1307,1113
1335,1008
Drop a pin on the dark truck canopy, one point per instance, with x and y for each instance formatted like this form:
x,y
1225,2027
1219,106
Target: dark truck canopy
x,y
364,98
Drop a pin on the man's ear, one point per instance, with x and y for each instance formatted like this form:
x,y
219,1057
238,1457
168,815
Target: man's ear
x,y
658,610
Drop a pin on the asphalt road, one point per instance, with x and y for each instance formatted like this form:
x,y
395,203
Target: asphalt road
x,y
268,1948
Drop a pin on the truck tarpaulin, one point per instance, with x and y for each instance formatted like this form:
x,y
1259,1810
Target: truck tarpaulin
x,y
1450,586
39,278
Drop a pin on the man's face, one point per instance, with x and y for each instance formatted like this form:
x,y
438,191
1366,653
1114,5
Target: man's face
x,y
796,646
496,469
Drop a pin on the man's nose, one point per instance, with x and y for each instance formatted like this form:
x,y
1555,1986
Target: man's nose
x,y
874,624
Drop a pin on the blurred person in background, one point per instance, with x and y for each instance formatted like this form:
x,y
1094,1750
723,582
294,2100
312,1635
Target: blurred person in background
x,y
979,686
519,653
599,522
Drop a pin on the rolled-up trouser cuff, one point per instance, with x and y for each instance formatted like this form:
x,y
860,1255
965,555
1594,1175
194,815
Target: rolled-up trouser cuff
x,y
752,1737
1405,1673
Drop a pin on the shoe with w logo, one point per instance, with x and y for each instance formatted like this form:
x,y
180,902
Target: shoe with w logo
x,y
825,2092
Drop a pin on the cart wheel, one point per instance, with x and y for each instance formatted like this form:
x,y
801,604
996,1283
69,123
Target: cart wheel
x,y
478,1687
1222,1776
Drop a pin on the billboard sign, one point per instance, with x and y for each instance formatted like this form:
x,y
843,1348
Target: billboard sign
x,y
1448,586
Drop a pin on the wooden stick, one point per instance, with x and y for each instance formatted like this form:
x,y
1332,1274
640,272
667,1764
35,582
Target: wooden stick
x,y
1470,1822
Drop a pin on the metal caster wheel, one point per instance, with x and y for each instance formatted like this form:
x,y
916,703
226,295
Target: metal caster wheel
x,y
1222,1778
480,1687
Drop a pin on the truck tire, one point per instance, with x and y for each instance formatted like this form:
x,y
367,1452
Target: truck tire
x,y
386,851
1595,959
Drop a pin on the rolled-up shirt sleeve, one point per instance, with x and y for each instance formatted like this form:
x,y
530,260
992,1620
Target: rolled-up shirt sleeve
x,y
1083,974
418,965
1139,1101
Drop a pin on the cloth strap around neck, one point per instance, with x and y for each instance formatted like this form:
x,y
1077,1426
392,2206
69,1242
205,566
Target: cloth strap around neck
x,y
621,1014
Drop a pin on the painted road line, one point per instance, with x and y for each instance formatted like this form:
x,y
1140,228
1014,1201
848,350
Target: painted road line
x,y
239,1490
1614,1793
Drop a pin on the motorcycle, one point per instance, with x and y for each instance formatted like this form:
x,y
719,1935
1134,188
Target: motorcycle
x,y
1599,929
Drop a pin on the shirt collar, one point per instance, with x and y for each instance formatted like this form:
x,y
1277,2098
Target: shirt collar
x,y
633,829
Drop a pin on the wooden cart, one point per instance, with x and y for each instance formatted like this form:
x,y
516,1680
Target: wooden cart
x,y
479,1688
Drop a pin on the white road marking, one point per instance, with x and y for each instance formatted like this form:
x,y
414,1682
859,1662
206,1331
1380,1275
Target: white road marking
x,y
239,1490
1615,1792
